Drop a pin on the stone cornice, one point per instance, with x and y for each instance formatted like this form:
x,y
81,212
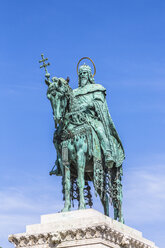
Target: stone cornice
x,y
101,231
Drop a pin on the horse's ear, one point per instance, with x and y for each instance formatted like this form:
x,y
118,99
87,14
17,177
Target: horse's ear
x,y
67,79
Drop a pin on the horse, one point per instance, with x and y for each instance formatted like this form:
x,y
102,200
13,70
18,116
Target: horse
x,y
79,155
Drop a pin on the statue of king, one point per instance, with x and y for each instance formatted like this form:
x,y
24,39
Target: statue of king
x,y
87,144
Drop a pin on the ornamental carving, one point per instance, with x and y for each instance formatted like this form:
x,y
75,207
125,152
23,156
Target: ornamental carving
x,y
101,231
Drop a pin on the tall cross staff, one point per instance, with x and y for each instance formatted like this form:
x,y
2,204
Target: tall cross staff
x,y
47,75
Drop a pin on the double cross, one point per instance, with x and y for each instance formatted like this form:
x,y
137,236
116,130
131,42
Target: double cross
x,y
47,75
44,64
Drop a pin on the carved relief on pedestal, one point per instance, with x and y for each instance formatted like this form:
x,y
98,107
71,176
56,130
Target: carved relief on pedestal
x,y
102,231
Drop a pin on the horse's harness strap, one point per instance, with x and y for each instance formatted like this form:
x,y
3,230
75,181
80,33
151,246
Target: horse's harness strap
x,y
70,135
65,160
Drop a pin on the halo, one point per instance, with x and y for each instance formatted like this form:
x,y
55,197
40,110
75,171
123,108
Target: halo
x,y
92,63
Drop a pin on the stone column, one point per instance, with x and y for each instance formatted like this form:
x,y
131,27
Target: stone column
x,y
79,229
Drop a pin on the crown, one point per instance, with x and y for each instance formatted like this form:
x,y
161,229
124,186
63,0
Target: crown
x,y
85,67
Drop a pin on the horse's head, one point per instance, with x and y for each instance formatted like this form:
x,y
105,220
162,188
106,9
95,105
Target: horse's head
x,y
58,93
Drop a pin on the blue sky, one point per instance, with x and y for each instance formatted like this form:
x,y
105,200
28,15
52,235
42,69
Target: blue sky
x,y
126,41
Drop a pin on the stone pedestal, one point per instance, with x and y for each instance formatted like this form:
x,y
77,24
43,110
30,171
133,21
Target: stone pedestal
x,y
80,229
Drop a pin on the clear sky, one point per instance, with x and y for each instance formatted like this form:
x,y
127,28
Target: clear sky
x,y
126,40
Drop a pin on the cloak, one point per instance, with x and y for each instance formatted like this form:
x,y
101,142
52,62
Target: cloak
x,y
101,109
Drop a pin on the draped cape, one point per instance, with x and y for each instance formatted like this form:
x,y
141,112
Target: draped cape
x,y
101,109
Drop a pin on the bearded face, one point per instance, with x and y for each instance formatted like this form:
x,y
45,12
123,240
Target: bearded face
x,y
83,77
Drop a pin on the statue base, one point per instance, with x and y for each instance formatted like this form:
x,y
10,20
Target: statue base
x,y
79,229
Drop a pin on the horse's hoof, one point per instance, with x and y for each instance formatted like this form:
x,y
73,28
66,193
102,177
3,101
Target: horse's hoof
x,y
65,209
122,220
82,207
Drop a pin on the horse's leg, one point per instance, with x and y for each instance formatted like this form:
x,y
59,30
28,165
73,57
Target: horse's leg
x,y
67,204
81,159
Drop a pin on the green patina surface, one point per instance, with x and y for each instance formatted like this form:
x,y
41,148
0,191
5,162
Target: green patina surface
x,y
87,144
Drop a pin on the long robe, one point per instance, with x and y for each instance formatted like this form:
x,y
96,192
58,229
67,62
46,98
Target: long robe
x,y
92,96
